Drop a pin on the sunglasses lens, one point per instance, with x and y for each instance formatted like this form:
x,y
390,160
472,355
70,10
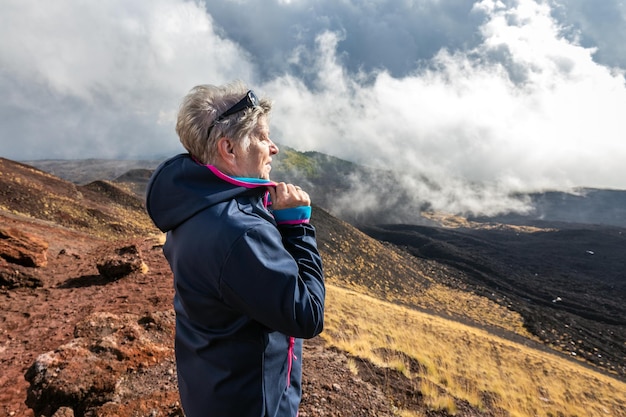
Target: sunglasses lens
x,y
254,100
250,100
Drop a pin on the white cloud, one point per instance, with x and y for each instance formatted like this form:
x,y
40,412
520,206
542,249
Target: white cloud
x,y
525,110
464,92
100,77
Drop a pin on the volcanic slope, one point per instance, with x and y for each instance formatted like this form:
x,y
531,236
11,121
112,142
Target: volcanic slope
x,y
99,208
81,223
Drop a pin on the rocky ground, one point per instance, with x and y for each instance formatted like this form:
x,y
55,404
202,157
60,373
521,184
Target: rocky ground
x,y
89,332
86,325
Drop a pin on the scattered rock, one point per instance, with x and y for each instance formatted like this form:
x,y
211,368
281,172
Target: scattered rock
x,y
117,262
23,248
16,276
64,412
114,362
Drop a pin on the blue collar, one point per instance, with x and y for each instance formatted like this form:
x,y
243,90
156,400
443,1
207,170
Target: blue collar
x,y
253,180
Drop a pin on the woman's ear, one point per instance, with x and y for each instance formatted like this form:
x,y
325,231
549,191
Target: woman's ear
x,y
226,160
226,149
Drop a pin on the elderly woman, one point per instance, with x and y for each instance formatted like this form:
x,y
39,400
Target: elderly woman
x,y
248,276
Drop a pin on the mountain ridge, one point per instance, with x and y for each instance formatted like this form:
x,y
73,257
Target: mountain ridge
x,y
329,179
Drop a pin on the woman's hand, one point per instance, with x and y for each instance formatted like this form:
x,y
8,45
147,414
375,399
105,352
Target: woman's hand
x,y
288,196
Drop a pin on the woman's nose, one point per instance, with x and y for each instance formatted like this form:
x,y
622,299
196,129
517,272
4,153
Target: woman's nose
x,y
273,148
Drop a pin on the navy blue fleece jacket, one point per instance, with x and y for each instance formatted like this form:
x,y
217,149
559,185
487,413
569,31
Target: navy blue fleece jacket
x,y
249,286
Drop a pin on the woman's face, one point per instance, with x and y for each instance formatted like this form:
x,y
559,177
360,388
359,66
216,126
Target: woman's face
x,y
256,160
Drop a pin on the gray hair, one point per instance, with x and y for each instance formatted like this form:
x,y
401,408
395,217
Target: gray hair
x,y
202,106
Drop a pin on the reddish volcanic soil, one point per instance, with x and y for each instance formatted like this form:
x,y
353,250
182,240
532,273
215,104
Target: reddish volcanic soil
x,y
37,320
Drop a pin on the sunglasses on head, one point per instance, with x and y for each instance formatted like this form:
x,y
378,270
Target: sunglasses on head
x,y
249,100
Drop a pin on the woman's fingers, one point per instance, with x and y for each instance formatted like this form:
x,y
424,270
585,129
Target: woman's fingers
x,y
288,195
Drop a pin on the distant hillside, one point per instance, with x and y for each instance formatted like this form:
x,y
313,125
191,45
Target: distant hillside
x,y
340,187
83,171
99,207
581,206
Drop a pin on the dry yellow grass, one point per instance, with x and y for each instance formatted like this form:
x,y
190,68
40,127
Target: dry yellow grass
x,y
468,363
449,301
391,274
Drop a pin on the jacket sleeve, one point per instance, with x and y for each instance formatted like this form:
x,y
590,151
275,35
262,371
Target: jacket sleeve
x,y
275,276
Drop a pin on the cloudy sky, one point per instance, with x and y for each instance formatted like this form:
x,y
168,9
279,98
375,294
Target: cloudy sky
x,y
512,95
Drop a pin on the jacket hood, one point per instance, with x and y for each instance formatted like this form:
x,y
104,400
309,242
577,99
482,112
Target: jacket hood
x,y
180,187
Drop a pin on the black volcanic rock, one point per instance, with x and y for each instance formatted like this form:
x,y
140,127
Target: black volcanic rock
x,y
569,285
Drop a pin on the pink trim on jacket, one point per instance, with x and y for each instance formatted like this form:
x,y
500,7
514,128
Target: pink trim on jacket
x,y
240,183
291,357
300,221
